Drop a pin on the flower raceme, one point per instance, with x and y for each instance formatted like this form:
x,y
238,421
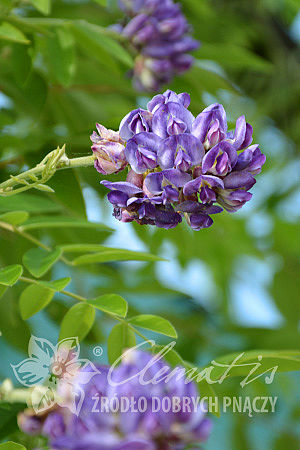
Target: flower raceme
x,y
149,420
157,30
178,165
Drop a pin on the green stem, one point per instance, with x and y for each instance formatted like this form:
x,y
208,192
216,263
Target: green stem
x,y
6,188
32,239
82,299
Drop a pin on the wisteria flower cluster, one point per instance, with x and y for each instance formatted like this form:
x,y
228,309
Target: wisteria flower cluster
x,y
157,30
179,165
134,428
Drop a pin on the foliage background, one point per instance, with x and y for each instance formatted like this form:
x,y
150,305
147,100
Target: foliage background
x,y
230,288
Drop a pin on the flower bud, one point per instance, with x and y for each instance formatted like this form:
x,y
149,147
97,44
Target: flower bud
x,y
109,151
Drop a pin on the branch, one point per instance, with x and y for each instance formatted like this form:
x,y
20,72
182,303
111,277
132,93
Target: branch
x,y
37,177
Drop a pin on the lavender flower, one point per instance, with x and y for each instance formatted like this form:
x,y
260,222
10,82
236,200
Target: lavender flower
x,y
157,30
147,427
181,166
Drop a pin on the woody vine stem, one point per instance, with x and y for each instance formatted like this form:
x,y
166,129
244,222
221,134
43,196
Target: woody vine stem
x,y
37,177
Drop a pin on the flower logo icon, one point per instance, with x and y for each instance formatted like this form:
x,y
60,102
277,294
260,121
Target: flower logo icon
x,y
55,374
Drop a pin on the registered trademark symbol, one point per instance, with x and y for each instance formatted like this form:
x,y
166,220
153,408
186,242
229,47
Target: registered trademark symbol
x,y
98,351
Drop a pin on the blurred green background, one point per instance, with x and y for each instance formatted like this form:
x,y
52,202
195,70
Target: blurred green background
x,y
230,288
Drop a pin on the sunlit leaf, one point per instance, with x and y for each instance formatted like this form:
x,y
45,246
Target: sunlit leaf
x,y
115,255
14,217
9,32
78,321
33,299
120,338
9,275
111,303
38,261
154,323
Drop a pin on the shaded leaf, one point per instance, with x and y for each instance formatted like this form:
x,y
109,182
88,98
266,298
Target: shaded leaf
x,y
62,221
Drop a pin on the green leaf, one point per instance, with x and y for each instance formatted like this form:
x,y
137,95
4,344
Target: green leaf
x,y
286,360
9,445
56,285
21,63
68,192
120,338
8,418
62,221
44,6
110,45
111,303
10,33
14,217
32,203
170,355
101,2
9,275
61,55
115,255
38,261
78,321
154,323
2,290
82,248
33,299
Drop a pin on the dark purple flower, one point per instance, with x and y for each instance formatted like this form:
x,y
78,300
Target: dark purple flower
x,y
199,221
135,122
233,200
251,159
141,151
205,185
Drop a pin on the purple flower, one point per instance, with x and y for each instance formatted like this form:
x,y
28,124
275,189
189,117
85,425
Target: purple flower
x,y
135,122
205,185
172,118
181,151
141,151
109,150
158,31
181,166
220,159
242,137
233,200
251,159
147,428
210,126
